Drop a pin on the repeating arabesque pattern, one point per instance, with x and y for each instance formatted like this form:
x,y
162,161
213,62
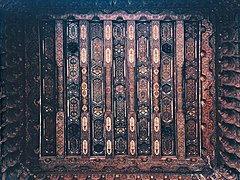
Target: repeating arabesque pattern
x,y
179,89
84,62
119,87
143,81
131,71
60,124
191,87
97,88
155,57
108,64
155,82
35,81
208,96
167,89
73,76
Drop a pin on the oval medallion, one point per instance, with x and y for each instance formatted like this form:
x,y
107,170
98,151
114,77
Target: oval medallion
x,y
131,55
84,123
131,32
156,147
132,147
132,124
84,55
155,56
108,124
108,55
85,147
72,31
83,32
156,124
155,32
107,32
109,147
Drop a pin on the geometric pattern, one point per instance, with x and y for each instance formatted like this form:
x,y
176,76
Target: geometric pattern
x,y
130,87
20,127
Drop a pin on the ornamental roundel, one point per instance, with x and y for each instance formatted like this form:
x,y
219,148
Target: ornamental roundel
x,y
126,92
83,32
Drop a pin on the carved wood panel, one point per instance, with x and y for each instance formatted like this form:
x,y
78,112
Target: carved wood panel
x,y
133,89
21,46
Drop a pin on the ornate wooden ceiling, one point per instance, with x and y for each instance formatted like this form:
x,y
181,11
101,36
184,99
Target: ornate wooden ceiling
x,y
34,35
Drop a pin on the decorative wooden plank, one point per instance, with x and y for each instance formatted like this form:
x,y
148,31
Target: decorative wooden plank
x,y
159,73
143,89
84,63
97,89
208,93
119,73
108,117
126,176
48,90
155,59
60,123
191,87
131,101
73,89
167,89
179,90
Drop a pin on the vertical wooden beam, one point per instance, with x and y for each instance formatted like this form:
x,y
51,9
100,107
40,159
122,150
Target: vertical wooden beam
x,y
48,89
191,87
108,117
131,71
144,85
84,64
119,86
73,89
208,94
167,104
155,59
97,89
179,90
60,123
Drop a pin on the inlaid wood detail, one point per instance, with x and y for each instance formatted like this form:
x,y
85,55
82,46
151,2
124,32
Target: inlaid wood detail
x,y
85,87
179,89
167,109
155,112
128,88
60,116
